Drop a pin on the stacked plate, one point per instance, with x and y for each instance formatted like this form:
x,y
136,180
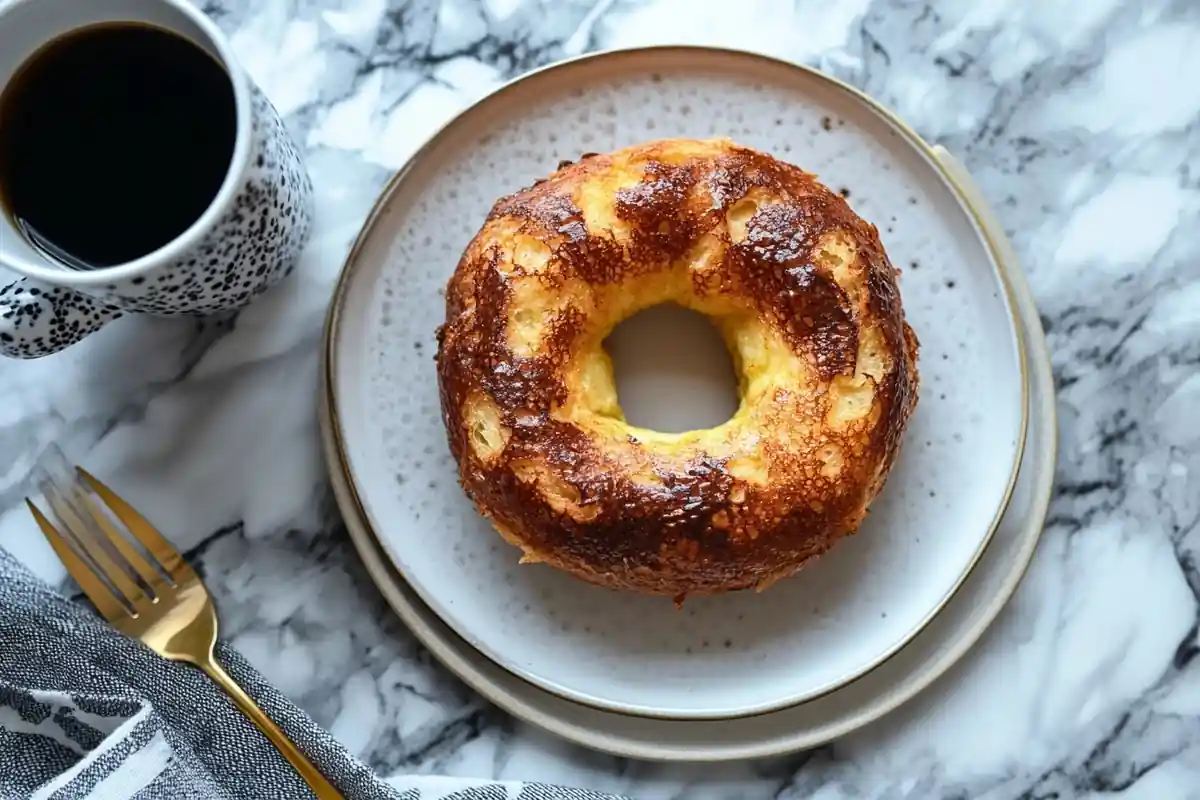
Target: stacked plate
x,y
741,675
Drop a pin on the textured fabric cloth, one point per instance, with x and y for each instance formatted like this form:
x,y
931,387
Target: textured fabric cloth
x,y
86,712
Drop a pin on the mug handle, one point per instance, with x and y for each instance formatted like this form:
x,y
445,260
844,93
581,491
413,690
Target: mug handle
x,y
37,319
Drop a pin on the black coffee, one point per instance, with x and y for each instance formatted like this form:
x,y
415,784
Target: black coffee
x,y
114,139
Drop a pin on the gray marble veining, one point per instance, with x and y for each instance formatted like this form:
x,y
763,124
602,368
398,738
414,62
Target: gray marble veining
x,y
1081,122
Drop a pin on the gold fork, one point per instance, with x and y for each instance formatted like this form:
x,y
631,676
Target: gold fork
x,y
148,592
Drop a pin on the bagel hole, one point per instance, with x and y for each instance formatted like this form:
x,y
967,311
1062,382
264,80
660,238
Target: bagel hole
x,y
672,370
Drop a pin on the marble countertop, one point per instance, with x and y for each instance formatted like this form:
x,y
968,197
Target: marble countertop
x,y
1081,122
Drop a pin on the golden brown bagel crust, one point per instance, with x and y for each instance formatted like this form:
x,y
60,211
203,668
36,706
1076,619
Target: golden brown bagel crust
x,y
758,244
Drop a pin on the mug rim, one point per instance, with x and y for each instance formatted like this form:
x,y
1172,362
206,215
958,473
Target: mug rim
x,y
194,233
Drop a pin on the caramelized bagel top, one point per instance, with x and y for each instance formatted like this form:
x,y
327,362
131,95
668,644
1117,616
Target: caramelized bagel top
x,y
808,303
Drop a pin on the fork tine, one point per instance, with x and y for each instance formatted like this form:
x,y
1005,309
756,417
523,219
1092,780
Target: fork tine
x,y
168,558
149,575
89,542
109,606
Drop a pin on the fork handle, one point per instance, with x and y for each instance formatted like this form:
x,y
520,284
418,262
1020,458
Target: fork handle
x,y
321,787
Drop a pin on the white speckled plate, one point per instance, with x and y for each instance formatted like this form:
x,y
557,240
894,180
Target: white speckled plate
x,y
638,655
941,644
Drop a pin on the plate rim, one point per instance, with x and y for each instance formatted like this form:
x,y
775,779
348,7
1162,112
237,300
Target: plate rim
x,y
392,189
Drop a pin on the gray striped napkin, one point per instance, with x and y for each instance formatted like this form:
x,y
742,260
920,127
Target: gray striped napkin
x,y
88,713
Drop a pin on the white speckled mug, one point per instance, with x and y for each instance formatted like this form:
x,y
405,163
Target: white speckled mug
x,y
247,239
